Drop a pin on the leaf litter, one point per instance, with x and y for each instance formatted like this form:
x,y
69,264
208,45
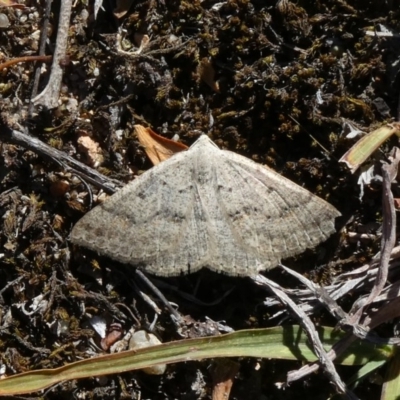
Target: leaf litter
x,y
276,76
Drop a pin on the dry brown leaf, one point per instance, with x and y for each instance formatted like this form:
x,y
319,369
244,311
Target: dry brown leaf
x,y
157,148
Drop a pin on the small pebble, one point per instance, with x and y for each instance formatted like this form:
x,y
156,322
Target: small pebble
x,y
4,21
141,340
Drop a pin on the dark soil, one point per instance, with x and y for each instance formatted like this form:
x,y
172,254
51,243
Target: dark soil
x,y
274,81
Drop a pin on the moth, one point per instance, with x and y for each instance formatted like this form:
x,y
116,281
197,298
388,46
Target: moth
x,y
206,207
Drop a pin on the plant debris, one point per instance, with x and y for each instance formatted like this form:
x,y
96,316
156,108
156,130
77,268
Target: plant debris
x,y
272,81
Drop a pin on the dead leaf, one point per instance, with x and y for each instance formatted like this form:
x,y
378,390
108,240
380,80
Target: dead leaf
x,y
157,148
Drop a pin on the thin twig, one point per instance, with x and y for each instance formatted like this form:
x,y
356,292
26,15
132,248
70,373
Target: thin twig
x,y
320,293
42,50
49,96
18,60
311,332
70,164
167,304
337,349
389,173
25,343
382,34
8,285
392,310
387,312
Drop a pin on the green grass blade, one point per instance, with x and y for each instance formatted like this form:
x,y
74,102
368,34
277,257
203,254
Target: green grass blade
x,y
391,386
287,342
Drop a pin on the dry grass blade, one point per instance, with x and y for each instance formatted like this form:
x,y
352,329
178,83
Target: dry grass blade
x,y
361,150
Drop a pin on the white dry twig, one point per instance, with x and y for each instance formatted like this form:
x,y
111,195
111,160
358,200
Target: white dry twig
x,y
48,98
